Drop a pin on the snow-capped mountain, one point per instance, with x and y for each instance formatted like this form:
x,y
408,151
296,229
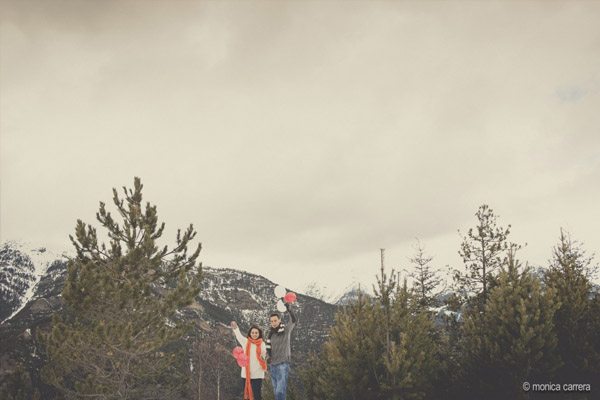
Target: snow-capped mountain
x,y
229,294
34,283
338,297
21,269
350,295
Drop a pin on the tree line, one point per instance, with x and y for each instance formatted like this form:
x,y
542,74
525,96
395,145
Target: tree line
x,y
506,326
121,334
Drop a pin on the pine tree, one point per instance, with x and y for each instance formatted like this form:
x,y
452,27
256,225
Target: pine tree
x,y
350,364
379,348
15,384
384,292
482,250
569,275
425,277
310,372
514,340
414,359
117,336
592,334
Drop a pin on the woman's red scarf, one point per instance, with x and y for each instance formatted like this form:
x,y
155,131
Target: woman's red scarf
x,y
248,395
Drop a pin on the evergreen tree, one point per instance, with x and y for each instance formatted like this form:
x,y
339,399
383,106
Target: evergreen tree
x,y
414,360
576,320
117,336
384,292
425,276
349,366
310,372
15,384
379,348
482,250
514,340
592,333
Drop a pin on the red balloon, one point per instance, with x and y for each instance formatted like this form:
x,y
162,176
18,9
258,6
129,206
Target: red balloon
x,y
242,360
290,297
237,351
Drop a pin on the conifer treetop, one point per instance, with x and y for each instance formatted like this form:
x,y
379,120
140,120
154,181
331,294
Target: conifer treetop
x,y
134,236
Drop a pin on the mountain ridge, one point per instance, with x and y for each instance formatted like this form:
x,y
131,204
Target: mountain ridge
x,y
226,294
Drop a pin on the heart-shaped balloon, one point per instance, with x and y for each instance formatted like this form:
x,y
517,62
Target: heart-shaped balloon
x,y
237,351
242,360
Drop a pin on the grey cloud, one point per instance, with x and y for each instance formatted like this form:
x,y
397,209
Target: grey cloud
x,y
302,132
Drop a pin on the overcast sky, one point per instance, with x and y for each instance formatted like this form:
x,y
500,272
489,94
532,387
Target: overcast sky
x,y
301,137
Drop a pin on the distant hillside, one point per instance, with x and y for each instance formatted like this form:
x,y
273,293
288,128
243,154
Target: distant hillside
x,y
226,295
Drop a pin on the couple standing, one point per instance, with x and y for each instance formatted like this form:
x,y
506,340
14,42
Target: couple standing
x,y
275,348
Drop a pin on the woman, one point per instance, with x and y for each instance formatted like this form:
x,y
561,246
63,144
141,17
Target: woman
x,y
255,350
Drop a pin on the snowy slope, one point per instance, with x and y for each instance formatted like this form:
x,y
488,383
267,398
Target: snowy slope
x,y
336,296
21,267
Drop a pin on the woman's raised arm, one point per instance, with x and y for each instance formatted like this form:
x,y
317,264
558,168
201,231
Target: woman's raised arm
x,y
238,335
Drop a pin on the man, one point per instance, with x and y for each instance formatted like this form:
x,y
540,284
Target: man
x,y
279,350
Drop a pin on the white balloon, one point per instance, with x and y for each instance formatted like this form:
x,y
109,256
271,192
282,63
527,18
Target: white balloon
x,y
279,291
281,306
